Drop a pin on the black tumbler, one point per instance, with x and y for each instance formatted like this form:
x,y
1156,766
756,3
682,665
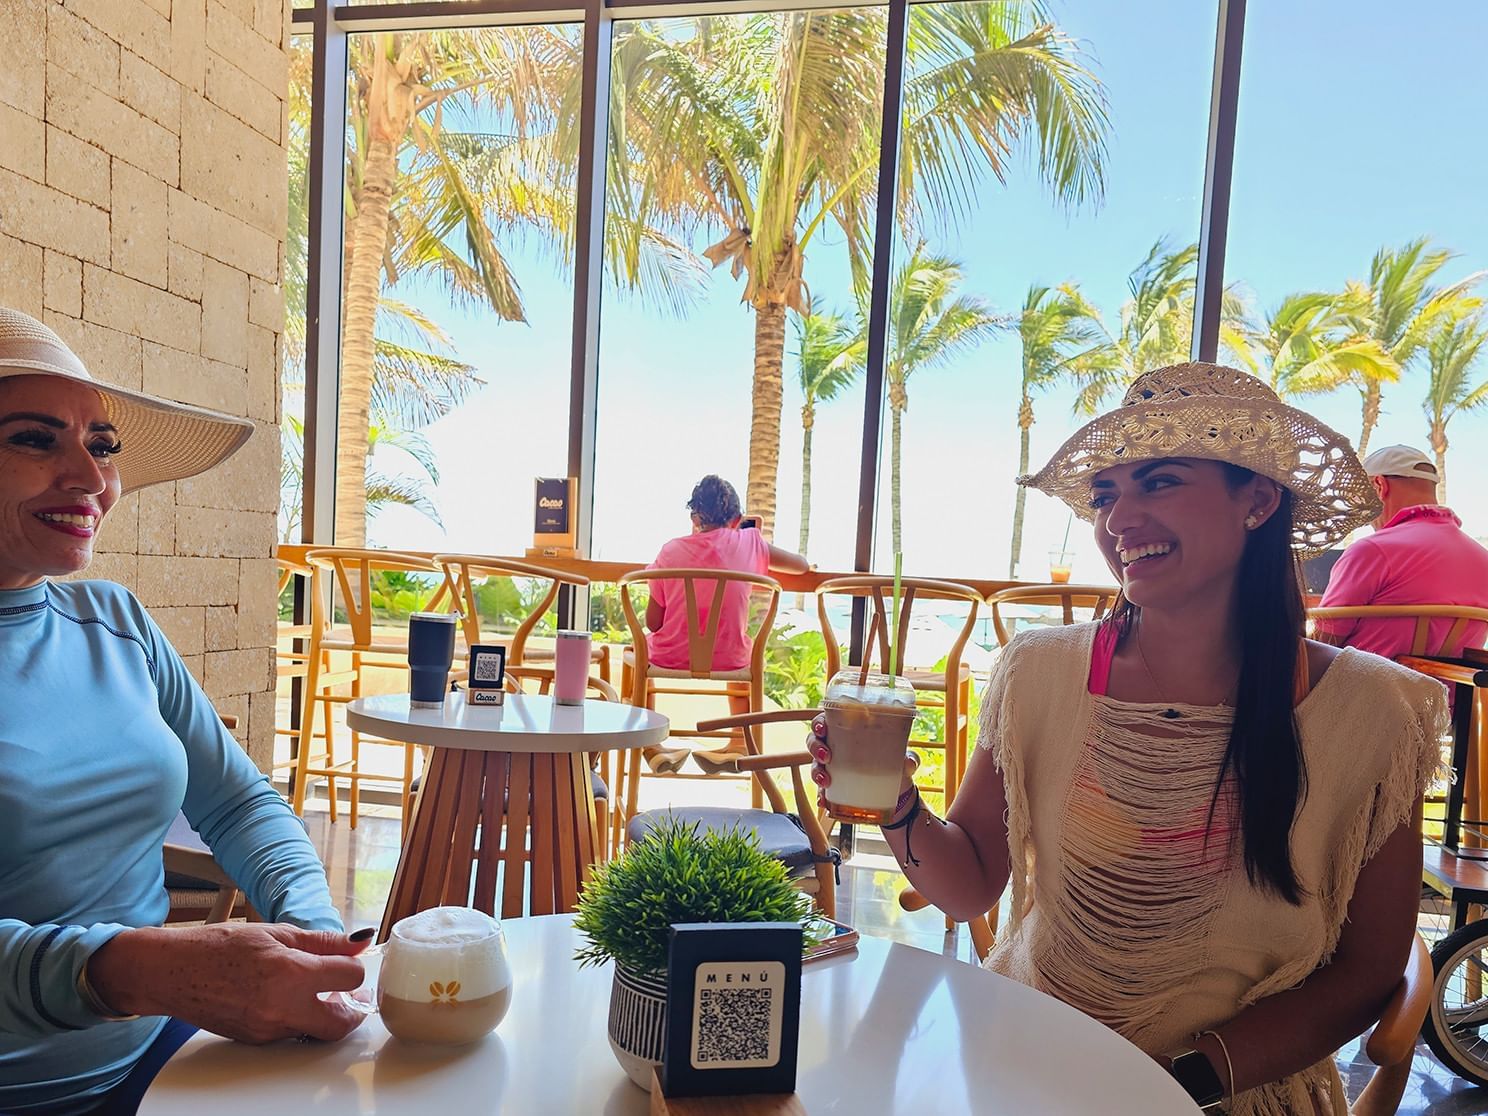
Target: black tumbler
x,y
431,652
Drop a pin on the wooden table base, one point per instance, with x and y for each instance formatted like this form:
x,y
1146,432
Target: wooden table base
x,y
458,835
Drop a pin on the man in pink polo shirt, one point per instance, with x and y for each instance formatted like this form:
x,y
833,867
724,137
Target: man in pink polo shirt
x,y
1418,554
717,542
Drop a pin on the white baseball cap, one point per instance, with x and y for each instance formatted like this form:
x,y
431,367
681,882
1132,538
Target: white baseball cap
x,y
1400,461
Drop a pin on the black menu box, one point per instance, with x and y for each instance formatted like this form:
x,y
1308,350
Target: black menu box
x,y
733,1009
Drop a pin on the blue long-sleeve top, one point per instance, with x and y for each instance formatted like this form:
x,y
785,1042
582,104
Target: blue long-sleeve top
x,y
104,738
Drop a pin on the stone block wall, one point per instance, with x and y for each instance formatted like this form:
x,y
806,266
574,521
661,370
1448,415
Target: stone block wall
x,y
142,216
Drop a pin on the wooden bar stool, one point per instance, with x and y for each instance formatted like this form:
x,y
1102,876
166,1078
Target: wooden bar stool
x,y
343,576
947,689
642,680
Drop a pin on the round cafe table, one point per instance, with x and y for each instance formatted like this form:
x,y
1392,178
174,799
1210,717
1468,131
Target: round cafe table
x,y
888,1029
506,801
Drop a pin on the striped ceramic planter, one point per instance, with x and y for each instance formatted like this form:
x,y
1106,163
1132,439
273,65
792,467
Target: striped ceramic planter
x,y
638,1022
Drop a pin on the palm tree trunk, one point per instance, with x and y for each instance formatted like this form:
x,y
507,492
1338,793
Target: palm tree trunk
x,y
1025,423
388,108
897,412
1439,447
764,424
808,420
1371,416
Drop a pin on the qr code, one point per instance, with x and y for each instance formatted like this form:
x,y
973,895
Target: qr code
x,y
488,668
733,1025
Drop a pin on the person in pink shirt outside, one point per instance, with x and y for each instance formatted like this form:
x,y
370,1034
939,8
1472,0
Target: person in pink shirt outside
x,y
1419,554
717,541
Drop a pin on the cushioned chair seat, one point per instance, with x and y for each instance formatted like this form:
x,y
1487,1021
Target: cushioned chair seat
x,y
742,675
778,835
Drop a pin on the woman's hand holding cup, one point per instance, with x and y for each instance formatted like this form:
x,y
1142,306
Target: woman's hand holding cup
x,y
821,760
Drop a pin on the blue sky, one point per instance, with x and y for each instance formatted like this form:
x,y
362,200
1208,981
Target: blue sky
x,y
1358,128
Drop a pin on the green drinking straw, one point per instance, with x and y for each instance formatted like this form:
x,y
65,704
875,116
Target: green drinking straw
x,y
894,632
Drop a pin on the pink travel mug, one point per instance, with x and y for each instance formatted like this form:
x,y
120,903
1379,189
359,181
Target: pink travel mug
x,y
570,668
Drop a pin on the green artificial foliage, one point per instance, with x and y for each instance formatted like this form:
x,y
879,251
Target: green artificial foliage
x,y
678,874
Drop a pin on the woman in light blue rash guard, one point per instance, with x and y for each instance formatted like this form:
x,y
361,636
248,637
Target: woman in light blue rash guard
x,y
104,738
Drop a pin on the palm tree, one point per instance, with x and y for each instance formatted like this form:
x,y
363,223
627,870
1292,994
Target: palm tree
x,y
382,489
1157,323
1062,337
831,354
415,191
928,325
1311,347
1453,351
762,130
1398,308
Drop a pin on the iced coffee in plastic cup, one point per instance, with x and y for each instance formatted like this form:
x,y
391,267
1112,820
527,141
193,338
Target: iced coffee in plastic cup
x,y
868,724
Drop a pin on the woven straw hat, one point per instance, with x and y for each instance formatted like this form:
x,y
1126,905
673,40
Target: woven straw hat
x,y
163,441
1221,414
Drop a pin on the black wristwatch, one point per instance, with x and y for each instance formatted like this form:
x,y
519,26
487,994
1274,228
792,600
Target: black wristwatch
x,y
1199,1078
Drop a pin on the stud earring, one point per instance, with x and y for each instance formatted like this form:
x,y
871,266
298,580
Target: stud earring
x,y
1251,522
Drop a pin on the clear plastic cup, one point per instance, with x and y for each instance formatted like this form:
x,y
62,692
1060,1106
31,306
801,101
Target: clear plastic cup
x,y
868,726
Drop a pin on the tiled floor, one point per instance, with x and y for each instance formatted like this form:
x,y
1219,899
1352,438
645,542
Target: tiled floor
x,y
360,867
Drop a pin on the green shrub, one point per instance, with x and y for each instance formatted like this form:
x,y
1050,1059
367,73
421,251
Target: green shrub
x,y
678,874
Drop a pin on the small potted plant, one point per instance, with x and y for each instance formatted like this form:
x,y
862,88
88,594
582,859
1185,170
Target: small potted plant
x,y
677,874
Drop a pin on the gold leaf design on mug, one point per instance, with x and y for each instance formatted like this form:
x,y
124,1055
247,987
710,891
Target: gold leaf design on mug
x,y
444,993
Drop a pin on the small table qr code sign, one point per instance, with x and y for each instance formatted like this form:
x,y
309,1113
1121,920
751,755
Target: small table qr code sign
x,y
733,1017
736,1014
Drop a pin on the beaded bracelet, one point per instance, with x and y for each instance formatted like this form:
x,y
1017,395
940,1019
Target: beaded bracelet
x,y
905,823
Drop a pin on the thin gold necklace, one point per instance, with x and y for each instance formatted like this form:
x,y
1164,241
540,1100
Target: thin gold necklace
x,y
1170,714
1162,696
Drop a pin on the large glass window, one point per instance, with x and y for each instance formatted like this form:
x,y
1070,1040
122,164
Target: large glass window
x,y
292,372
1050,211
741,177
457,284
1357,225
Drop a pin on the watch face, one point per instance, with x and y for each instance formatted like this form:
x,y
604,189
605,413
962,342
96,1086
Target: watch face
x,y
1198,1077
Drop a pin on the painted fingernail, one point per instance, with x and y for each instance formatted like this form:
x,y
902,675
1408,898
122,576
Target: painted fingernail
x,y
819,727
821,754
363,934
819,777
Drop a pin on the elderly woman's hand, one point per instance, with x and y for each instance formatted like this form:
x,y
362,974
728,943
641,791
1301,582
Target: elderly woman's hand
x,y
253,982
821,761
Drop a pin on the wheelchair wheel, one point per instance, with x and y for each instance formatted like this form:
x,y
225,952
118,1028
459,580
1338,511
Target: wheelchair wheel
x,y
1457,1027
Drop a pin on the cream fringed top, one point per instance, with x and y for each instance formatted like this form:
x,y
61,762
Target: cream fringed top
x,y
1128,903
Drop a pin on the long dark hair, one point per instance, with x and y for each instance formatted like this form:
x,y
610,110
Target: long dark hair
x,y
1264,751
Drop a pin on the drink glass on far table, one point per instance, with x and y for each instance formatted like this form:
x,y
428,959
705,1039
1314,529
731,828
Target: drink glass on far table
x,y
444,977
1059,567
868,723
570,667
431,653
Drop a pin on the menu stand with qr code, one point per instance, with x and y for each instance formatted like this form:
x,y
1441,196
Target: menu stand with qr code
x,y
733,1019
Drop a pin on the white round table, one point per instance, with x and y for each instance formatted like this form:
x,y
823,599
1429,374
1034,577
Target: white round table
x,y
889,1029
505,804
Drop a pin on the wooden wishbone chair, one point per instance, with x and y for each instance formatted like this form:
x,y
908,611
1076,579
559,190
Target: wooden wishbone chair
x,y
1067,598
798,838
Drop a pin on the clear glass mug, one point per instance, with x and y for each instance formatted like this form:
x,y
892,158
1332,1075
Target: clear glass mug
x,y
441,977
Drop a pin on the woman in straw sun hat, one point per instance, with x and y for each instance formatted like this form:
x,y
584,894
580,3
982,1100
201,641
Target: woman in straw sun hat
x,y
105,737
1204,816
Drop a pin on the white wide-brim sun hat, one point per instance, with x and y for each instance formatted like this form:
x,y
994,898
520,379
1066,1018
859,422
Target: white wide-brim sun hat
x,y
163,441
1216,413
